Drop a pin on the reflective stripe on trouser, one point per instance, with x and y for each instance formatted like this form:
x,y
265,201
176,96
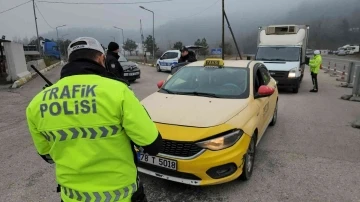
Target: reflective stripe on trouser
x,y
105,196
81,133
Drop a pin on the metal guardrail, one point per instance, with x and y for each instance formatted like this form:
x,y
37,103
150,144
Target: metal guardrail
x,y
343,68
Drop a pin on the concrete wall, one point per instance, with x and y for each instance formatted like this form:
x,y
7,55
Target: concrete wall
x,y
39,64
15,59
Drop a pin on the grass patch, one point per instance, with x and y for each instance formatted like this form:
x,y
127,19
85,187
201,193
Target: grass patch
x,y
50,61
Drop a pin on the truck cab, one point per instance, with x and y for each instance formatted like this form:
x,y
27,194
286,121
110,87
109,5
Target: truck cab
x,y
282,48
51,49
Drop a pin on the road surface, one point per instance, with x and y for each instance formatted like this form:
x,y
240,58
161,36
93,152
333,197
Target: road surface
x,y
312,154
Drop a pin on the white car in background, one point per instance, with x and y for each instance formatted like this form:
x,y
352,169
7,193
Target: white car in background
x,y
167,60
341,53
171,58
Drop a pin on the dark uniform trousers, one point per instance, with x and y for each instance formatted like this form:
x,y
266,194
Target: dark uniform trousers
x,y
314,80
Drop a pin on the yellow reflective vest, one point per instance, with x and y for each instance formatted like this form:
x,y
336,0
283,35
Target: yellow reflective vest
x,y
85,123
315,63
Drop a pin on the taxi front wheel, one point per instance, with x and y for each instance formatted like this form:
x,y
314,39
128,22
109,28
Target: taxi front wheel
x,y
273,121
249,160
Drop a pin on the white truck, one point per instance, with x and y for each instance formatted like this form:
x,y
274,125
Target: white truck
x,y
282,48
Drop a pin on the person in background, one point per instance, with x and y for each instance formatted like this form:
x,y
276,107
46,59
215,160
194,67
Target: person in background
x,y
88,124
112,63
315,64
187,56
2,67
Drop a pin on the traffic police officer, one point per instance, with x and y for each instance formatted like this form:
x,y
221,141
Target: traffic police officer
x,y
315,64
187,55
88,123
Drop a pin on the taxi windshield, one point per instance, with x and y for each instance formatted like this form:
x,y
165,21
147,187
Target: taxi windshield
x,y
226,82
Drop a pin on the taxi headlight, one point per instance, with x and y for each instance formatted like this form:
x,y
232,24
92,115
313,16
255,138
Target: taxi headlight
x,y
223,142
292,73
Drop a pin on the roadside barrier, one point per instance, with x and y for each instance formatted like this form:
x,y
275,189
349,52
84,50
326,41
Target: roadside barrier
x,y
334,74
342,78
328,69
346,73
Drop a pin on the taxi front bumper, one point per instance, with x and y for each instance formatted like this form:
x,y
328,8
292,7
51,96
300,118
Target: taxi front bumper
x,y
208,168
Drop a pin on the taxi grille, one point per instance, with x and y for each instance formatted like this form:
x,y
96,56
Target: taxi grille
x,y
180,149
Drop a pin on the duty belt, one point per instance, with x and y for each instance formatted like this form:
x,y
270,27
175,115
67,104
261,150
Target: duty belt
x,y
106,196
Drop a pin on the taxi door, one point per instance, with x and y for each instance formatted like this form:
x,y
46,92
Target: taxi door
x,y
272,99
263,103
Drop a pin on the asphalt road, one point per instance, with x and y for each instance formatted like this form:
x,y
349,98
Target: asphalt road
x,y
312,154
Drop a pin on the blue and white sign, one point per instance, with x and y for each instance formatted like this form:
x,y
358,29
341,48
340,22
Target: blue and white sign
x,y
216,51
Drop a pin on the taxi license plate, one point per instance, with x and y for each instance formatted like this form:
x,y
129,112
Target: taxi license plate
x,y
158,161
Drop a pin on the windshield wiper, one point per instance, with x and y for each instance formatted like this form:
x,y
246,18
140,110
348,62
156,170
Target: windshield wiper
x,y
168,91
199,94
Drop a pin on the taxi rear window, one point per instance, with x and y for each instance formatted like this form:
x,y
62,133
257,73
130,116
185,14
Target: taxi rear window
x,y
225,82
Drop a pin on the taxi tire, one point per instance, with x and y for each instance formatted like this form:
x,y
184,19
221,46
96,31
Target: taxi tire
x,y
158,68
274,118
246,174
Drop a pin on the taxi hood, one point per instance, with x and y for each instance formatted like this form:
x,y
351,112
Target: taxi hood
x,y
194,111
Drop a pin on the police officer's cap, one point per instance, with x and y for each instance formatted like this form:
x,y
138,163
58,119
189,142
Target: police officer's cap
x,y
85,43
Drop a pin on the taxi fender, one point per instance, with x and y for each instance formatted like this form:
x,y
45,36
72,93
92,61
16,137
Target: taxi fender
x,y
248,125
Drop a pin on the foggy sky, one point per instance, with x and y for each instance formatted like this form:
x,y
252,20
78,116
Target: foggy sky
x,y
20,21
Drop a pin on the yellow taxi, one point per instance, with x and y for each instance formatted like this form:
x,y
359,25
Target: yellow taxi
x,y
211,115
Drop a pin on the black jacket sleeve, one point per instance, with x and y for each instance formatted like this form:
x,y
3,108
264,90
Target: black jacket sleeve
x,y
155,147
192,57
119,69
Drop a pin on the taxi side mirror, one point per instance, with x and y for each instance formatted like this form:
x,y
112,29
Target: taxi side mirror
x,y
264,91
160,84
161,58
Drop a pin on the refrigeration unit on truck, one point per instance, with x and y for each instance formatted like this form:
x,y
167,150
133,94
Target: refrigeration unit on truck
x,y
282,48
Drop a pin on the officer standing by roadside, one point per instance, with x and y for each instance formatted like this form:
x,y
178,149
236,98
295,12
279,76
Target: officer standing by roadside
x,y
315,64
112,57
87,124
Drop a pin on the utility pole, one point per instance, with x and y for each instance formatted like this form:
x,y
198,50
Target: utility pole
x,y
223,29
37,31
143,41
232,34
57,38
142,7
